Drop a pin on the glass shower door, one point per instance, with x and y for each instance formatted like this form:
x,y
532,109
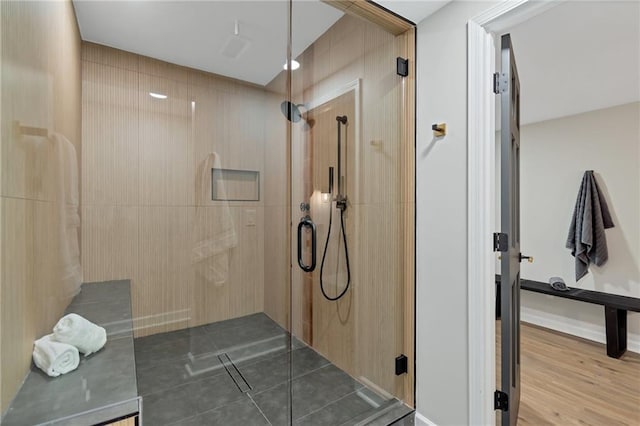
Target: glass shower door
x,y
351,349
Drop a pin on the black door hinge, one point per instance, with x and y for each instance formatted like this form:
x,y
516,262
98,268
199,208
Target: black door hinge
x,y
402,66
499,85
500,242
500,401
402,364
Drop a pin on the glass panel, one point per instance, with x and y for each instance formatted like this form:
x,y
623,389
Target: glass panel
x,y
109,211
346,176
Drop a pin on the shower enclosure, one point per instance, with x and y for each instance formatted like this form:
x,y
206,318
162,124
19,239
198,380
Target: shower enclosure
x,y
246,203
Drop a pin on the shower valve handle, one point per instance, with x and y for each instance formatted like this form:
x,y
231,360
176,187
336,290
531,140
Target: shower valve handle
x,y
341,203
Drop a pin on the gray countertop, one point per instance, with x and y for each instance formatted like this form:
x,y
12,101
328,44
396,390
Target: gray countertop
x,y
103,387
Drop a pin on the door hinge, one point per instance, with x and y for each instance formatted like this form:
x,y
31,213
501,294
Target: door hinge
x,y
402,66
402,364
500,401
500,242
500,85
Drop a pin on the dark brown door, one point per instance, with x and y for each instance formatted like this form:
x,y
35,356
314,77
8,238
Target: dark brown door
x,y
509,88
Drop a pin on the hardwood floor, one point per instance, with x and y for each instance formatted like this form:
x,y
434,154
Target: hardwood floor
x,y
570,381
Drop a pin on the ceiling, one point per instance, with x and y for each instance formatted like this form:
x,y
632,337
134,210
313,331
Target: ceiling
x,y
575,57
578,57
415,10
201,34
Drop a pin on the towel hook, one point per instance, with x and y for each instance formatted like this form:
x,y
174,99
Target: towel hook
x,y
439,130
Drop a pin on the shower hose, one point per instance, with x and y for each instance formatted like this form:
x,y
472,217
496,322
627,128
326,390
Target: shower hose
x,y
346,254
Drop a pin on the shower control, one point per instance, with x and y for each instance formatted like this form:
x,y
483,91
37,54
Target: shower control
x,y
304,207
341,204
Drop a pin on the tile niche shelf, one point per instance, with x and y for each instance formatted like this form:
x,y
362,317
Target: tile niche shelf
x,y
235,185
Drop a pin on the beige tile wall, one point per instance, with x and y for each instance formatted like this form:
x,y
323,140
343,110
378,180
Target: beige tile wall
x,y
277,260
40,87
142,216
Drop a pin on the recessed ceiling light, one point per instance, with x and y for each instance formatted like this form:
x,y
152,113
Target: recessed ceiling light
x,y
294,65
157,95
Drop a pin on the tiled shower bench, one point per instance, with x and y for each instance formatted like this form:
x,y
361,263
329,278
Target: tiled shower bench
x,y
103,388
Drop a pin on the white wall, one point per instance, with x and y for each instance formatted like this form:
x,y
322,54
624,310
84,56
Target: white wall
x,y
554,156
441,228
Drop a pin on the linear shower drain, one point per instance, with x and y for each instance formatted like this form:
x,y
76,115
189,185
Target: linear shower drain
x,y
235,374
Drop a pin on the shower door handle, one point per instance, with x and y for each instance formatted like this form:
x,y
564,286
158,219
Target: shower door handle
x,y
306,222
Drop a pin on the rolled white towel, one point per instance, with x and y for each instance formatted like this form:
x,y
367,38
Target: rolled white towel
x,y
55,358
81,333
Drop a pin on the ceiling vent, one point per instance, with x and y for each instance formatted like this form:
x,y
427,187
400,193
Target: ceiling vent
x,y
236,44
234,47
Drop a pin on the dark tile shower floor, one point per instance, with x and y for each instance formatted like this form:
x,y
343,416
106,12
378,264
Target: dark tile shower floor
x,y
236,372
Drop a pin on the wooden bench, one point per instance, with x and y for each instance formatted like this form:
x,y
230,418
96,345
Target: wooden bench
x,y
615,309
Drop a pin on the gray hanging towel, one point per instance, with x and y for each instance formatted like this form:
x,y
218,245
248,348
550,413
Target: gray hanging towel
x,y
591,217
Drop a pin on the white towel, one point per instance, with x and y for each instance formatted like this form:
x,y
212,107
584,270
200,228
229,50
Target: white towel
x,y
81,333
68,218
214,229
55,358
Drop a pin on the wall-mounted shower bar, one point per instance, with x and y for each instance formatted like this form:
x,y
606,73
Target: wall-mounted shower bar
x,y
340,198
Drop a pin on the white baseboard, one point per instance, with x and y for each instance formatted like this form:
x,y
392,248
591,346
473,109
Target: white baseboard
x,y
423,421
633,341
